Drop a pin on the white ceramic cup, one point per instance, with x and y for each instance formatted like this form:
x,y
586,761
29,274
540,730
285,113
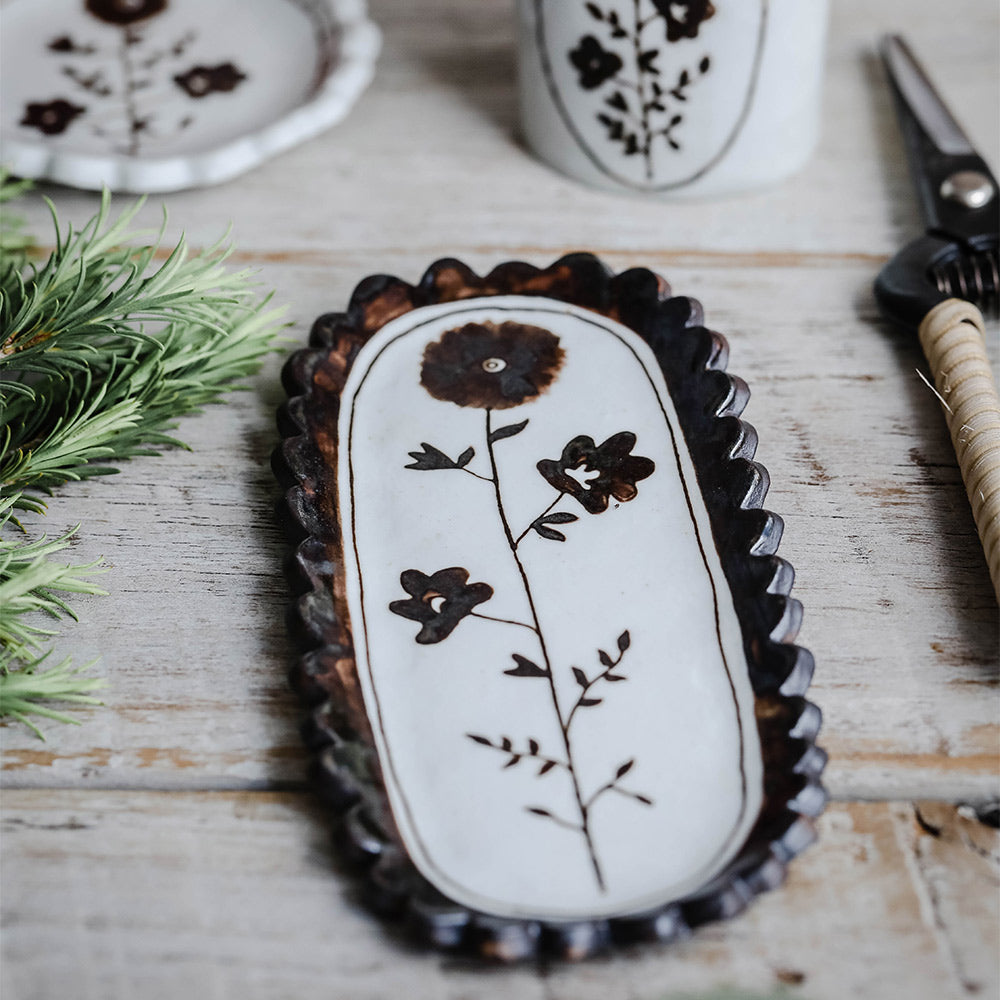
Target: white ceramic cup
x,y
674,98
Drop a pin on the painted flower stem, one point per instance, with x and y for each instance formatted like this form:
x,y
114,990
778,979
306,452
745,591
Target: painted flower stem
x,y
485,479
128,82
502,621
563,724
516,755
586,688
517,541
647,139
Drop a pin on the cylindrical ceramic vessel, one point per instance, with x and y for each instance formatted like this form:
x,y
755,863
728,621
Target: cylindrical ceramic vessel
x,y
676,98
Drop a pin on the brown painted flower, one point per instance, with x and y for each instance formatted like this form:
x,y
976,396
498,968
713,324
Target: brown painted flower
x,y
617,471
684,17
200,81
594,63
51,118
125,11
439,601
491,366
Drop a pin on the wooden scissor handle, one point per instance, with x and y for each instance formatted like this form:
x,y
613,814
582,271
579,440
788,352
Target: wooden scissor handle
x,y
952,336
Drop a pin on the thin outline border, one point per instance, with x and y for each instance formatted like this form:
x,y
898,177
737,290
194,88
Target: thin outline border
x,y
702,171
715,866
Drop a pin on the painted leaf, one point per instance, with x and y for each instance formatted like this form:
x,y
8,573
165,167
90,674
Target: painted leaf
x,y
624,769
509,431
430,457
525,668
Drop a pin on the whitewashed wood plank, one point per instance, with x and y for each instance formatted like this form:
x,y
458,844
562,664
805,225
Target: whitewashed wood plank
x,y
430,157
957,863
224,895
899,610
164,893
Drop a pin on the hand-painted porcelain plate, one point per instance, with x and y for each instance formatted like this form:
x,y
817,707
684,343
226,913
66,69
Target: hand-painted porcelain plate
x,y
548,642
158,95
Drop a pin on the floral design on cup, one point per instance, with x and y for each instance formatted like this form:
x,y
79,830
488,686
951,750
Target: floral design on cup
x,y
120,73
640,108
683,17
52,117
491,366
595,64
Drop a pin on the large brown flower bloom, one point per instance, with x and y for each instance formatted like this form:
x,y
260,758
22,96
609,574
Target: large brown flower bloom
x,y
617,470
491,366
125,11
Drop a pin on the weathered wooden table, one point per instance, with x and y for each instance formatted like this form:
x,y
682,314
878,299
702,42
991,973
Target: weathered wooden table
x,y
170,846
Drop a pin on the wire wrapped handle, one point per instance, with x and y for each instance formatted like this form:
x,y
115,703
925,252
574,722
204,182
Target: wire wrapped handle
x,y
952,335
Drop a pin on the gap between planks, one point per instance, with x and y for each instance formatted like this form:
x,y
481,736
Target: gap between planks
x,y
678,257
213,785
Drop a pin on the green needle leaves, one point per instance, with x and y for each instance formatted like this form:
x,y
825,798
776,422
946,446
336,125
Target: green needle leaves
x,y
103,345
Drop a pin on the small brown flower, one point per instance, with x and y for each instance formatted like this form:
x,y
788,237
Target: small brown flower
x,y
491,366
199,81
51,118
684,17
439,601
125,12
617,471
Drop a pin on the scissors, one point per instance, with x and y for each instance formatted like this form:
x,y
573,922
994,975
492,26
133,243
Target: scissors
x,y
943,282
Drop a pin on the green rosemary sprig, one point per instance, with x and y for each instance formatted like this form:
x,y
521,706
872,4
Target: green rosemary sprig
x,y
14,242
31,581
103,346
107,353
22,692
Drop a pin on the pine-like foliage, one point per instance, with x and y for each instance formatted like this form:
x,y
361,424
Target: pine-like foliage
x,y
102,347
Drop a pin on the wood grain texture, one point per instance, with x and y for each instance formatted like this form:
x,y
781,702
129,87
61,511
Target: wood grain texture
x,y
898,606
430,159
222,894
169,845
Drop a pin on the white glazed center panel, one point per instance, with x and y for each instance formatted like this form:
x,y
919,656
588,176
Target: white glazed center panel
x,y
685,713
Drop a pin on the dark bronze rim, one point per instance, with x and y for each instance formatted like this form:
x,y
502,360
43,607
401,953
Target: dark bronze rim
x,y
708,402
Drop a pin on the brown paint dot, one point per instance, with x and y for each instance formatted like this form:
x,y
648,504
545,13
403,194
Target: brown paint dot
x,y
790,977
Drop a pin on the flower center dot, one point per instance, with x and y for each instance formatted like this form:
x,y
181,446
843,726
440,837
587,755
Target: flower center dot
x,y
436,601
494,365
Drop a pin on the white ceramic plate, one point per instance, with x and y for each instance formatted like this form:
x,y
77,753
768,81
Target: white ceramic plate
x,y
160,95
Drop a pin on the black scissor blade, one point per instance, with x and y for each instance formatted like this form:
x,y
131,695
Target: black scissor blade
x,y
936,146
922,100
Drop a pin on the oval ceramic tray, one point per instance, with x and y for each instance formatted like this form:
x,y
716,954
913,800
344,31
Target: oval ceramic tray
x,y
547,638
159,95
